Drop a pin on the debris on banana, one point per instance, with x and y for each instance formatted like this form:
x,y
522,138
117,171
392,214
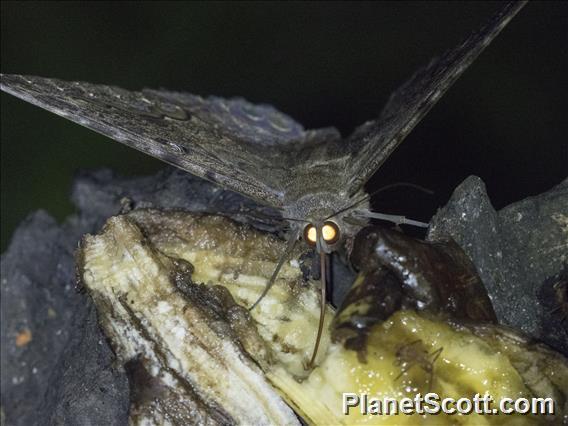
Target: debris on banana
x,y
173,290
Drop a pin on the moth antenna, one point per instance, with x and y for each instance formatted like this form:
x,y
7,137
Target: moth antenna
x,y
294,219
402,184
396,219
283,258
323,273
367,197
272,217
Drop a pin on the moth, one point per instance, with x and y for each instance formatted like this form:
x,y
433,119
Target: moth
x,y
314,178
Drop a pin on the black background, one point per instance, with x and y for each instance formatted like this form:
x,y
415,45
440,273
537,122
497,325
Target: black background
x,y
322,63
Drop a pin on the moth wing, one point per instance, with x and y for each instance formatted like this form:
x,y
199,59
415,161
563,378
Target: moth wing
x,y
374,141
239,145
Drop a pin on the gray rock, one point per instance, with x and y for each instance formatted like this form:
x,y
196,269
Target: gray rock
x,y
101,194
86,388
53,370
516,250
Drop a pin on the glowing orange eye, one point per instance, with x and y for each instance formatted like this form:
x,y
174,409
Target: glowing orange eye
x,y
330,232
310,234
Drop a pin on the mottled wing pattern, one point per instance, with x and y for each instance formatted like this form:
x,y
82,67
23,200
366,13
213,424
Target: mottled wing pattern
x,y
254,149
242,146
373,142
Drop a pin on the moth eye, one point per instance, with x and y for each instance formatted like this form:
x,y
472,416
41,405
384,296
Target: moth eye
x,y
310,234
330,232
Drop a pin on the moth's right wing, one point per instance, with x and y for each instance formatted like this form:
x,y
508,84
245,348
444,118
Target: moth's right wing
x,y
234,143
373,142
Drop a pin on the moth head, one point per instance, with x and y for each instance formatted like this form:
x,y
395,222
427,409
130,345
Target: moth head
x,y
322,220
324,235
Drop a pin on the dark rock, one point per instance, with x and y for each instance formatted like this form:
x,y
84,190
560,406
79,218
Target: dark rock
x,y
85,387
516,250
101,194
50,357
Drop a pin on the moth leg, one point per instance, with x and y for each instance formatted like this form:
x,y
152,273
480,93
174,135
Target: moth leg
x,y
352,220
396,219
283,258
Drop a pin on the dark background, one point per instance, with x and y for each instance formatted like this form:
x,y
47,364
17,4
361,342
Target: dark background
x,y
322,63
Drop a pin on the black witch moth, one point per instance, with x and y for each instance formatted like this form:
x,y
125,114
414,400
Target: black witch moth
x,y
314,178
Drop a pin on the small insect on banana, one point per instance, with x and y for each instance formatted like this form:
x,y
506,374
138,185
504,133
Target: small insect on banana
x,y
414,353
314,178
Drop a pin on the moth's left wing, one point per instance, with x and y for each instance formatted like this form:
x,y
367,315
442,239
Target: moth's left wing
x,y
374,141
239,145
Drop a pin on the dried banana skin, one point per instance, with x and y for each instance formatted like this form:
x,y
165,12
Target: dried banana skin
x,y
172,290
184,335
